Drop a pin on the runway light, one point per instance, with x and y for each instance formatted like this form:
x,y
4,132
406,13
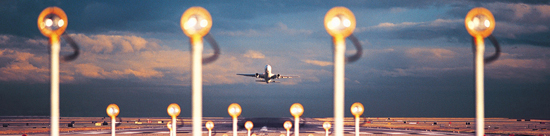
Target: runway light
x,y
234,110
196,21
296,110
113,111
480,22
209,125
174,111
287,125
326,126
248,125
52,20
357,109
339,22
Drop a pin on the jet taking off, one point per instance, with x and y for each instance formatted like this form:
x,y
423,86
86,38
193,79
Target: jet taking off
x,y
267,77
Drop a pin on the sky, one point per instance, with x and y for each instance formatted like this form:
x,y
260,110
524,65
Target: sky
x,y
417,58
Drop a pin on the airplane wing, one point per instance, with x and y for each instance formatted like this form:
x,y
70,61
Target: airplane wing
x,y
289,76
257,75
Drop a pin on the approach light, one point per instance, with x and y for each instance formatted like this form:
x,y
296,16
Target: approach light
x,y
113,110
173,110
52,20
480,22
296,110
196,22
357,109
287,125
234,110
340,22
248,125
326,126
209,125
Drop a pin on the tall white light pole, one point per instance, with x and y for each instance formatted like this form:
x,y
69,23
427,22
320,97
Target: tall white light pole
x,y
296,110
339,23
248,125
52,23
234,111
113,111
174,111
480,23
196,23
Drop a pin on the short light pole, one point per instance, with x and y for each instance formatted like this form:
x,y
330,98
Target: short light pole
x,y
112,111
357,109
296,110
480,23
209,125
52,23
287,126
174,111
248,125
234,111
169,125
339,23
196,23
326,126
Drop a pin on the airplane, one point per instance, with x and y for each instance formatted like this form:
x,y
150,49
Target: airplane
x,y
267,77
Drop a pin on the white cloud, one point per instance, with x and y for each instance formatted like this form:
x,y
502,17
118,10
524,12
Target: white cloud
x,y
254,54
318,62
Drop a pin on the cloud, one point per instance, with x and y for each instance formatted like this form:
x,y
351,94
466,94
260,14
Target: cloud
x,y
254,54
278,29
318,63
439,28
113,43
430,53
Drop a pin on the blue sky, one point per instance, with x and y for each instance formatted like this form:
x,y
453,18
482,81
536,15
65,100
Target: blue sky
x,y
417,59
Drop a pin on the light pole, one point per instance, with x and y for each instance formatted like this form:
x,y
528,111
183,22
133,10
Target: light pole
x,y
52,23
248,125
287,126
234,111
480,23
326,126
195,23
296,110
209,125
339,23
357,109
112,111
169,125
174,111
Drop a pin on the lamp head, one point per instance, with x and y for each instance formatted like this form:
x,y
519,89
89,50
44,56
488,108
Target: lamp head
x,y
287,125
113,110
248,125
173,110
52,20
196,21
327,125
296,109
209,125
340,22
357,109
480,22
234,110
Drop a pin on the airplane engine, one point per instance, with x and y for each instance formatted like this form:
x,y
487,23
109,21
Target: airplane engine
x,y
278,75
257,75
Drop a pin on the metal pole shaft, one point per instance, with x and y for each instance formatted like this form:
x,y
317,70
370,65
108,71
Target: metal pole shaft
x,y
288,132
297,126
196,86
54,54
480,106
249,132
326,132
234,126
209,132
113,121
174,126
356,126
339,71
